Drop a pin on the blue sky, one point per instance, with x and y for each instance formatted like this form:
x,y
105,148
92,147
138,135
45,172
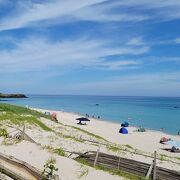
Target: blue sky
x,y
102,47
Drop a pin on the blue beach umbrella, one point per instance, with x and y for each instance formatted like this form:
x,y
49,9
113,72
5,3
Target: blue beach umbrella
x,y
126,124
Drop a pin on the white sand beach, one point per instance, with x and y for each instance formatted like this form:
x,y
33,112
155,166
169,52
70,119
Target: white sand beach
x,y
70,137
146,141
68,168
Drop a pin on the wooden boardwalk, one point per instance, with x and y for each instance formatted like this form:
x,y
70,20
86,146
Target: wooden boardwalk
x,y
129,165
18,170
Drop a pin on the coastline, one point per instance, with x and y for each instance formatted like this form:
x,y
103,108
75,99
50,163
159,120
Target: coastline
x,y
107,121
145,141
154,113
60,140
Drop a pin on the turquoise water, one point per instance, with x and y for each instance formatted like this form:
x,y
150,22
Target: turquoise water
x,y
150,112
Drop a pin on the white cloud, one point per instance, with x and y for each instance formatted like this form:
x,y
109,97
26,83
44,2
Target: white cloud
x,y
104,13
158,84
177,40
59,11
36,54
136,41
62,11
163,10
117,65
28,13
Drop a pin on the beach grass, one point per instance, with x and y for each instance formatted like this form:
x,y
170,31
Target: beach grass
x,y
20,115
59,151
120,173
88,133
83,172
21,110
113,148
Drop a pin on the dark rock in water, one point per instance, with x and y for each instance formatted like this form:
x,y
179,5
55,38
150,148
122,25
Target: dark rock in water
x,y
12,96
97,104
176,107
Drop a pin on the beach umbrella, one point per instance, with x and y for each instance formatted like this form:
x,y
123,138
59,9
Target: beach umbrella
x,y
126,124
82,119
173,143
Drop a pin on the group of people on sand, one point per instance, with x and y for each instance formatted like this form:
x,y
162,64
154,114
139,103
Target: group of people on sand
x,y
87,116
53,116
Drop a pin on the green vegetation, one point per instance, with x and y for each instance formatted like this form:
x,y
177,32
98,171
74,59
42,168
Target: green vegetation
x,y
84,171
83,161
10,141
58,151
118,148
12,96
20,115
163,157
113,148
3,133
120,173
49,169
69,137
21,111
88,133
178,158
128,146
73,138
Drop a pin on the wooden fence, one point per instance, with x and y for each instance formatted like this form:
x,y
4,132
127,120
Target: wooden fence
x,y
131,166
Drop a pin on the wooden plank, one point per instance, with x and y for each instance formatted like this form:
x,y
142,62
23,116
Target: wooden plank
x,y
10,173
32,170
126,168
149,171
23,132
119,162
154,166
131,166
96,156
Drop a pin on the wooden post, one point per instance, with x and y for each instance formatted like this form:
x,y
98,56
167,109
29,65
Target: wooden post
x,y
149,171
154,166
95,160
23,132
135,151
119,162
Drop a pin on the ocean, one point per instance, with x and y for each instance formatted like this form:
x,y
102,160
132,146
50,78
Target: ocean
x,y
150,112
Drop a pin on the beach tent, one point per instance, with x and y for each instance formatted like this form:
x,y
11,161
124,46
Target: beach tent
x,y
173,143
123,130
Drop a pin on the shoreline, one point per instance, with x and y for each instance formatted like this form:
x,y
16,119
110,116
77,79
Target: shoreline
x,y
144,141
108,121
59,140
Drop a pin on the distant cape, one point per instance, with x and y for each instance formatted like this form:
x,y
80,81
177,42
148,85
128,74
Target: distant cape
x,y
12,95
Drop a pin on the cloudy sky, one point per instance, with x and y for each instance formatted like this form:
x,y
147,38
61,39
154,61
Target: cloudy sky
x,y
103,47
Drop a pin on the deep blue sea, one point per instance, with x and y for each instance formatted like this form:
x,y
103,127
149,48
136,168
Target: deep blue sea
x,y
149,112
